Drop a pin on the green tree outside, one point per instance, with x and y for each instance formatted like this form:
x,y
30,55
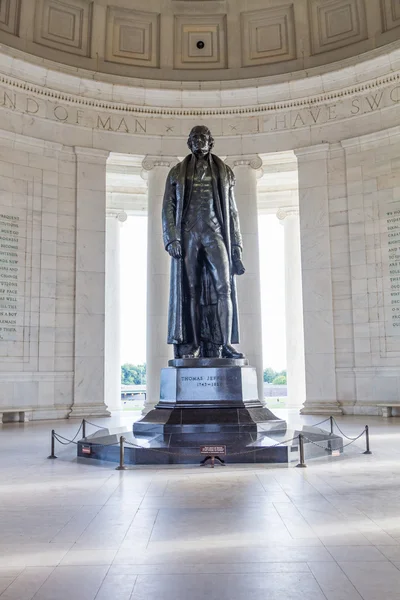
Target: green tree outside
x,y
270,375
280,380
133,374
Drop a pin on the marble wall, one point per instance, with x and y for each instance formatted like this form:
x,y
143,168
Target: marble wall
x,y
37,276
56,132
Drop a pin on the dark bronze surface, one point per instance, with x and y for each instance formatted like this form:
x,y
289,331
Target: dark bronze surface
x,y
209,392
202,235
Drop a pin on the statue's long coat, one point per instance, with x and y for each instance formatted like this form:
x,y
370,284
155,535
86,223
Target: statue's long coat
x,y
175,198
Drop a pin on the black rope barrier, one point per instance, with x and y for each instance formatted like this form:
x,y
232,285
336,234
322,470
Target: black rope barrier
x,y
95,425
301,437
342,433
320,422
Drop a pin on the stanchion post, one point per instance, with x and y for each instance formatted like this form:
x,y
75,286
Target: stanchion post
x,y
53,440
331,420
83,428
302,464
367,450
121,466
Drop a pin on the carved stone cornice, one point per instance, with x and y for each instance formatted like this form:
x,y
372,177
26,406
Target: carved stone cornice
x,y
250,109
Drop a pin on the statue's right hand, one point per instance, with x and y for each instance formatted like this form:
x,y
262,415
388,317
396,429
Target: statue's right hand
x,y
174,249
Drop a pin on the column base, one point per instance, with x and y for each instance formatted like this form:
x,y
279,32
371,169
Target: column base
x,y
315,407
94,410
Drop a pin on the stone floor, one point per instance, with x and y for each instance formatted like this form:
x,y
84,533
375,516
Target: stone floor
x,y
72,531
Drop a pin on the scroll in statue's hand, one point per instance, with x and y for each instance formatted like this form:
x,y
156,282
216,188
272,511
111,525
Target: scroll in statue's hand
x,y
175,249
238,266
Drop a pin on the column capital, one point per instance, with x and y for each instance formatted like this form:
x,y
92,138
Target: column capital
x,y
283,213
120,215
316,152
248,160
150,162
91,154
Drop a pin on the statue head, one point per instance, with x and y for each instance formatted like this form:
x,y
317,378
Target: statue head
x,y
200,140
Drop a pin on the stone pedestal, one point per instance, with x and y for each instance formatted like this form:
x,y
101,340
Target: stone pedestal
x,y
199,397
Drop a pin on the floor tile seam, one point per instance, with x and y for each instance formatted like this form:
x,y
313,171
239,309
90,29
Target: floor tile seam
x,y
310,526
15,578
384,530
133,589
42,584
152,528
318,585
341,513
101,583
349,580
149,537
392,562
257,475
88,524
108,479
66,524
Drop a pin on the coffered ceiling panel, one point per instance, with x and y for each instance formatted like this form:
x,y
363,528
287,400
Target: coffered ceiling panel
x,y
64,25
200,42
390,14
132,37
268,36
9,15
336,23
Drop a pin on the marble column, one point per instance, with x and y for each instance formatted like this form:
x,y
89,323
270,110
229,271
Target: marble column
x,y
90,283
158,352
113,309
246,169
289,218
319,342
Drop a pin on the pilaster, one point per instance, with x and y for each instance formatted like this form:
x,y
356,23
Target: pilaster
x,y
158,352
90,283
319,342
247,169
289,218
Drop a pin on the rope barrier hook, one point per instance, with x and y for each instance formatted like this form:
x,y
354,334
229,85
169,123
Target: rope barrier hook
x,y
52,455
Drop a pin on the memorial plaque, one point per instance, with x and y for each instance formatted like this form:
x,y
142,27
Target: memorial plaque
x,y
210,450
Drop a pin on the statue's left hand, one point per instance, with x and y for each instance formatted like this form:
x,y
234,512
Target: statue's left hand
x,y
238,266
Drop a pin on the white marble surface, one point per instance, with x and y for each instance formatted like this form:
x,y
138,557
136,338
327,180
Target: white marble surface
x,y
328,532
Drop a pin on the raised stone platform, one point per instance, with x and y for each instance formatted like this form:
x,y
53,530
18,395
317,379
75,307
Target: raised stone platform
x,y
185,449
207,402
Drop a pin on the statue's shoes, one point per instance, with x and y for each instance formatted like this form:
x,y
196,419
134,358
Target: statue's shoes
x,y
193,352
229,351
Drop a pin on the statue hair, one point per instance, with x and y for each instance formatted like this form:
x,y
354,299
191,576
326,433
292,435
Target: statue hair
x,y
206,131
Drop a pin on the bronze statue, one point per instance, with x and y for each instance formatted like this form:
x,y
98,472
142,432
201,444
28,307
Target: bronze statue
x,y
202,235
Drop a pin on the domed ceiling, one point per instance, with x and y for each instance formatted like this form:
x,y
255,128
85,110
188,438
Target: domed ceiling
x,y
198,40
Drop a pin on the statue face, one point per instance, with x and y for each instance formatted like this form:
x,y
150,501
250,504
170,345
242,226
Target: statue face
x,y
200,141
